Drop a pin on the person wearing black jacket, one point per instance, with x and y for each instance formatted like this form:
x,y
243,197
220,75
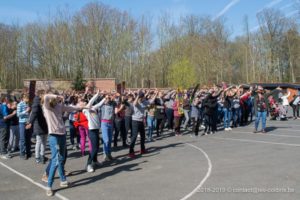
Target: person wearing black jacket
x,y
210,104
40,129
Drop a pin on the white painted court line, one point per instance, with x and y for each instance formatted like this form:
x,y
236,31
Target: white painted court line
x,y
266,134
32,181
256,141
281,124
206,176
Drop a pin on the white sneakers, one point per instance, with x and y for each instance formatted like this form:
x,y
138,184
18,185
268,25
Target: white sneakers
x,y
49,192
228,129
90,169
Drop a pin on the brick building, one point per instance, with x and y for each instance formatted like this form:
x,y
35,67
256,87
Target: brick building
x,y
107,84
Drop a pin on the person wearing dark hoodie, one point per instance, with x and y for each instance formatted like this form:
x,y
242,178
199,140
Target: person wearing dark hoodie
x,y
210,104
119,121
40,128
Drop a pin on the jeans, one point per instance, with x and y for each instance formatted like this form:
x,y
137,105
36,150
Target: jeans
x,y
227,117
120,128
170,117
107,131
263,117
94,137
236,116
187,118
14,137
4,133
137,127
40,146
25,140
57,145
73,133
151,126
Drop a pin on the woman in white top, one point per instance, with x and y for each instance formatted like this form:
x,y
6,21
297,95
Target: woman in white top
x,y
285,101
94,126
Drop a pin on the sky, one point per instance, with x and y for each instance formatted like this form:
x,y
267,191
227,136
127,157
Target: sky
x,y
25,11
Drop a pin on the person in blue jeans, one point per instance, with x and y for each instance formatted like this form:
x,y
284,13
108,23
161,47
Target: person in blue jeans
x,y
151,121
260,103
107,116
54,107
227,108
23,111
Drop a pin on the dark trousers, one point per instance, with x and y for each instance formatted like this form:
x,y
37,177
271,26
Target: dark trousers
x,y
245,116
196,124
25,140
208,122
214,120
120,128
170,117
94,137
177,121
159,126
4,137
73,133
137,127
128,124
295,110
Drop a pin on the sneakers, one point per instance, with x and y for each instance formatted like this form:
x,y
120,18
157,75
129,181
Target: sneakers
x,y
131,155
263,131
226,129
24,157
45,178
144,151
108,158
74,147
229,129
37,160
6,156
67,173
49,192
64,184
90,169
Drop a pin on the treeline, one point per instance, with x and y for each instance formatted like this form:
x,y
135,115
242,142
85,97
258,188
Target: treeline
x,y
103,42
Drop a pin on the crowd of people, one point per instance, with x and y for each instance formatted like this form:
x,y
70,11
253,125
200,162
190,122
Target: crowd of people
x,y
144,114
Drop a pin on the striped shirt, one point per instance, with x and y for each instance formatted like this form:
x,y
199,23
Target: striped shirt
x,y
22,112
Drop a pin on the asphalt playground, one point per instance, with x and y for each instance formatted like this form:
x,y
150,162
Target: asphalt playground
x,y
226,166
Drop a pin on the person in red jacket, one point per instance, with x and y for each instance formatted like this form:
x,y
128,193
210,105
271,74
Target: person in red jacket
x,y
81,123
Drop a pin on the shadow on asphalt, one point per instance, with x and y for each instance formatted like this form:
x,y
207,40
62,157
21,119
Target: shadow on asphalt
x,y
93,179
